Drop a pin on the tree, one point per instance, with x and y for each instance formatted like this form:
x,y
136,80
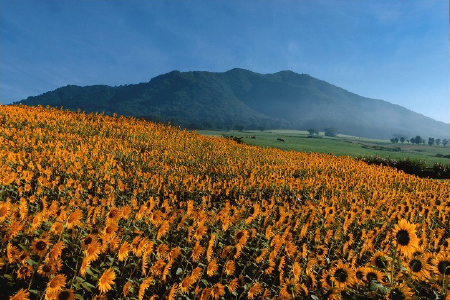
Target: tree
x,y
312,131
430,141
392,141
418,140
261,128
444,142
330,132
412,140
438,142
402,139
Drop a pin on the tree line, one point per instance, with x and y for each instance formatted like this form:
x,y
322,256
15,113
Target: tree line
x,y
419,140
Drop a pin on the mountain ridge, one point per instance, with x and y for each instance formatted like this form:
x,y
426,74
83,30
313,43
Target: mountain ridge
x,y
240,97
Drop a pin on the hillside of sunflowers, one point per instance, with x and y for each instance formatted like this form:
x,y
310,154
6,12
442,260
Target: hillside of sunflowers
x,y
107,207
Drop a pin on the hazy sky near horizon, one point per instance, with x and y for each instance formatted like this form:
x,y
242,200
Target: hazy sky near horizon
x,y
393,50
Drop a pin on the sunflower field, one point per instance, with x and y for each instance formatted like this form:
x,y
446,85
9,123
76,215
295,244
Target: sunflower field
x,y
108,207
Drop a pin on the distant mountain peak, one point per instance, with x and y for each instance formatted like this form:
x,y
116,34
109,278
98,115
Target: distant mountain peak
x,y
284,99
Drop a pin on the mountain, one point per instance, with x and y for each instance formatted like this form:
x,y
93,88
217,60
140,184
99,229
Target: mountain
x,y
241,97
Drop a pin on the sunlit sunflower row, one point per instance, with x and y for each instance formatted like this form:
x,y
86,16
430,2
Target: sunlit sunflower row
x,y
107,207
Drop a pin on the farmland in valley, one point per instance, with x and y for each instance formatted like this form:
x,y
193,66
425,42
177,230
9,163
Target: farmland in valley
x,y
302,141
121,208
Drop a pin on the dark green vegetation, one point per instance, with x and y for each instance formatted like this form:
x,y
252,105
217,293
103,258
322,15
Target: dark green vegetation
x,y
420,160
243,99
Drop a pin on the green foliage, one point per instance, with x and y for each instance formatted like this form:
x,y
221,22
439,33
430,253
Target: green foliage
x,y
410,166
330,132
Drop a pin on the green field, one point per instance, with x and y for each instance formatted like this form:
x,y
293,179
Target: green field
x,y
342,145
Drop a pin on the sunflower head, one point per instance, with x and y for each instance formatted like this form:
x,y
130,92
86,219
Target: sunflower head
x,y
66,295
405,236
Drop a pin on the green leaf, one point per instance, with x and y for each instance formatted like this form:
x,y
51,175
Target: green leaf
x,y
32,262
34,292
9,277
179,271
78,296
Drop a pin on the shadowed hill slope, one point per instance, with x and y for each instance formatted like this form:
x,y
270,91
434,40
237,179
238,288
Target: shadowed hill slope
x,y
241,97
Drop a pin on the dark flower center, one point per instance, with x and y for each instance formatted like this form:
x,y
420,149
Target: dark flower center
x,y
320,251
87,240
371,276
46,269
444,267
396,294
415,265
239,235
23,256
64,295
380,262
341,275
328,280
41,245
112,214
367,211
359,274
403,237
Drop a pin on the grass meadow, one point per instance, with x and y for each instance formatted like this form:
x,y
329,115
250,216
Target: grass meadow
x,y
297,140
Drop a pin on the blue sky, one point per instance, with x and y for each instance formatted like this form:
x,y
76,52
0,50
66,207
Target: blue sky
x,y
394,50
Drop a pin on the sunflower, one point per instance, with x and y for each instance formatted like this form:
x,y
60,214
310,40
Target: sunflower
x,y
186,284
23,257
40,246
255,290
360,273
197,251
24,272
126,288
229,267
400,292
55,285
21,295
212,268
85,242
217,291
374,275
123,251
321,252
173,292
327,280
241,237
441,264
342,275
288,289
46,269
380,260
296,271
418,267
65,295
406,239
106,280
232,286
196,274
